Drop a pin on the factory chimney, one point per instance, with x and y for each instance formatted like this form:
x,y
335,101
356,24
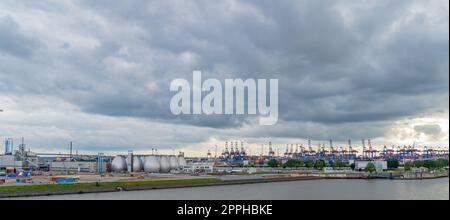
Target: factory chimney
x,y
70,151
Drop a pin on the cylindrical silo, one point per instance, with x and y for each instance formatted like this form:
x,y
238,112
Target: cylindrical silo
x,y
152,165
165,164
173,161
143,158
119,164
137,163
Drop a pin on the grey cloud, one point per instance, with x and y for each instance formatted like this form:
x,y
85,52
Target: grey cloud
x,y
14,41
339,62
432,130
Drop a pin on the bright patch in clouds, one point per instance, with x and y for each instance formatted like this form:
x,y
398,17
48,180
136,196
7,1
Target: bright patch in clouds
x,y
431,130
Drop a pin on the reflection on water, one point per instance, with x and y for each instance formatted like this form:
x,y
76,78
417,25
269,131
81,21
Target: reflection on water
x,y
308,190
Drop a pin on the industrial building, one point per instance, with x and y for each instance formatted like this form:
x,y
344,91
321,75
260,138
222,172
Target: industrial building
x,y
21,159
380,165
74,166
205,167
18,160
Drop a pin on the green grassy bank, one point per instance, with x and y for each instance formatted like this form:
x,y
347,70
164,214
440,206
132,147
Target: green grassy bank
x,y
102,184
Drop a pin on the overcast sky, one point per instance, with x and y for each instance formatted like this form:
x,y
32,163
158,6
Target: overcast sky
x,y
98,72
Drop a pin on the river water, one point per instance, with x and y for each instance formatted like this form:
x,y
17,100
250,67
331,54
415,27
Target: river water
x,y
299,190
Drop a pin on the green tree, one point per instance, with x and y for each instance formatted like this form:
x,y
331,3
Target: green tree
x,y
371,168
442,163
320,164
292,163
338,164
430,164
418,163
392,163
272,163
353,166
301,163
309,163
408,165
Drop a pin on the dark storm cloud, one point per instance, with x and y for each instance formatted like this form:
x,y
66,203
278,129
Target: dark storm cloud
x,y
338,62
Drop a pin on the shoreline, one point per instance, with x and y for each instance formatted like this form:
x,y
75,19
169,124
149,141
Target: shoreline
x,y
118,186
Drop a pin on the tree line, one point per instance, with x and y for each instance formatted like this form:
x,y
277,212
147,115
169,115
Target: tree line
x,y
429,164
391,163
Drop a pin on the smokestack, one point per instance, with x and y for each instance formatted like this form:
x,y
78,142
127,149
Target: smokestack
x,y
70,151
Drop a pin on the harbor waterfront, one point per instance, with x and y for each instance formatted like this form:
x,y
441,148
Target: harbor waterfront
x,y
28,174
433,189
141,183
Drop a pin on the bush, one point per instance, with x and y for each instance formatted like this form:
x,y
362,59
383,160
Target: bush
x,y
272,163
294,163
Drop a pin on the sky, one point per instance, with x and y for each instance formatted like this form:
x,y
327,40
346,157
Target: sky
x,y
98,72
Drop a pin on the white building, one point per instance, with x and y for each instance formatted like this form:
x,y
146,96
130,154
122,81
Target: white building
x,y
199,168
90,167
380,165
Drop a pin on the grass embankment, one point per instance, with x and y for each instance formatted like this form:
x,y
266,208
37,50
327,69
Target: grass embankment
x,y
102,184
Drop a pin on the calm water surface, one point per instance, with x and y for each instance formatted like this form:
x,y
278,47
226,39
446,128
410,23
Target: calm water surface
x,y
308,190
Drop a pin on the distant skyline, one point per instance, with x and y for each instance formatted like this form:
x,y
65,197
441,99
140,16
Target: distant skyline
x,y
98,73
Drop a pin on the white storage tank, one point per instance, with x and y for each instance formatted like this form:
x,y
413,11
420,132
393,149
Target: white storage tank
x,y
137,163
165,164
173,161
152,165
143,158
119,164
